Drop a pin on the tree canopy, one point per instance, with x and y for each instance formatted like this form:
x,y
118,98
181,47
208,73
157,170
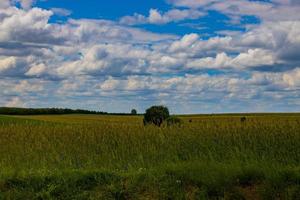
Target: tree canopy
x,y
156,115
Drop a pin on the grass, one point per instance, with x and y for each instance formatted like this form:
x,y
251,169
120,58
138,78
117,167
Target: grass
x,y
112,157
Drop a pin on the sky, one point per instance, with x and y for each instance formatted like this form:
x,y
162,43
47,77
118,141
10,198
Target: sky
x,y
194,56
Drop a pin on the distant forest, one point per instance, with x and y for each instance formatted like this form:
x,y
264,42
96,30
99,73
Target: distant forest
x,y
46,111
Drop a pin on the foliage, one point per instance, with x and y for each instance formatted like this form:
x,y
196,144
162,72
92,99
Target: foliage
x,y
156,115
174,121
243,119
133,112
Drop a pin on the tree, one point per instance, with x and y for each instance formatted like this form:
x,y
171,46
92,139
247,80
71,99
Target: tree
x,y
133,112
156,115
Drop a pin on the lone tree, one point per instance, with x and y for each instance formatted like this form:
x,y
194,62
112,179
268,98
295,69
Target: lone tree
x,y
156,115
133,112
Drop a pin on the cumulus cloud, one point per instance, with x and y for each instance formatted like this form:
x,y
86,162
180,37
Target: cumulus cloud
x,y
254,58
186,42
251,58
15,102
27,26
7,63
26,86
26,4
157,17
36,70
108,31
292,78
267,11
96,60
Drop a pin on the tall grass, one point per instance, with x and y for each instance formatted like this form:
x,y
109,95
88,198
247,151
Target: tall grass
x,y
211,150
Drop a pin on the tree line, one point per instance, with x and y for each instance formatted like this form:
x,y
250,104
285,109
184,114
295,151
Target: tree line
x,y
45,111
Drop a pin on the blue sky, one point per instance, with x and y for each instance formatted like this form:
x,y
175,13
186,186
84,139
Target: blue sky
x,y
194,56
116,9
113,9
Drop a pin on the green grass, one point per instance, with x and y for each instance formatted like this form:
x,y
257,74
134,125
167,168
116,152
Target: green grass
x,y
112,157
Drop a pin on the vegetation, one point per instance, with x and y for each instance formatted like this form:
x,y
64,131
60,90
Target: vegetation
x,y
117,157
133,112
156,115
44,111
174,121
53,111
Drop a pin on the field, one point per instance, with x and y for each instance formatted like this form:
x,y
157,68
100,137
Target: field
x,y
116,157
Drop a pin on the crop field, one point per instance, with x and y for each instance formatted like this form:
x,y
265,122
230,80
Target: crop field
x,y
117,157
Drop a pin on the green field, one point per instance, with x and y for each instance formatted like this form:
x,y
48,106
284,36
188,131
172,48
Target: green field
x,y
116,157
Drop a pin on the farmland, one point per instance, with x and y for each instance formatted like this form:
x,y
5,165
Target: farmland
x,y
117,157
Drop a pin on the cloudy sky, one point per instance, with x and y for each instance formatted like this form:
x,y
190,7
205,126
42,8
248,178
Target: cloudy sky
x,y
195,56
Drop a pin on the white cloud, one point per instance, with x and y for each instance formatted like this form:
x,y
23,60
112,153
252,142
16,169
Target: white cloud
x,y
26,26
186,42
26,4
61,11
4,3
36,70
251,58
110,84
107,31
94,59
221,61
15,102
254,58
292,78
26,86
157,17
267,11
7,63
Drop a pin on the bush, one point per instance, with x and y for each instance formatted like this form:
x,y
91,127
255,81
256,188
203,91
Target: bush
x,y
133,112
243,119
174,121
156,115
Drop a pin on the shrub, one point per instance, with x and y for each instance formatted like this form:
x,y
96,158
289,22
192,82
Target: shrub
x,y
174,121
243,119
133,112
156,115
